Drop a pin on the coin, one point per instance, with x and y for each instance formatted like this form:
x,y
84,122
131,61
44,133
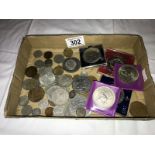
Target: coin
x,y
43,104
128,73
81,84
29,84
39,63
59,110
64,80
91,55
48,54
58,70
26,110
49,111
37,53
68,52
113,61
71,64
23,100
36,94
80,112
103,97
36,112
72,94
31,71
138,109
48,62
44,70
57,95
59,58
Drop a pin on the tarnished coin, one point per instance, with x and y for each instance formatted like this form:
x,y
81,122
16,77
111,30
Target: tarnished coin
x,y
64,80
81,84
59,58
128,73
23,100
43,104
72,94
58,95
36,112
91,55
58,70
26,110
113,61
48,54
138,109
31,71
29,84
80,112
59,110
39,63
71,64
37,53
48,62
103,97
49,111
68,52
36,94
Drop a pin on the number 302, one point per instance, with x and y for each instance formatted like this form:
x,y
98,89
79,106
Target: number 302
x,y
75,42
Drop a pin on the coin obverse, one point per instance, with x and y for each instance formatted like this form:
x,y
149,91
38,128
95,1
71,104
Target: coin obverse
x,y
48,62
39,63
64,80
80,112
26,110
29,84
31,71
36,112
49,111
68,52
36,94
59,58
23,100
37,53
48,54
58,70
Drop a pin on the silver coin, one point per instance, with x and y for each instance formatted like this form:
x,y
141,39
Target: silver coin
x,y
36,112
59,58
58,95
23,100
59,110
39,63
103,97
26,110
43,104
71,64
64,80
80,112
81,84
48,62
29,84
37,53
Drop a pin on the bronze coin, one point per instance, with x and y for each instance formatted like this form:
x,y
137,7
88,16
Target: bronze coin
x,y
49,111
51,103
48,54
138,109
31,71
68,52
58,70
36,94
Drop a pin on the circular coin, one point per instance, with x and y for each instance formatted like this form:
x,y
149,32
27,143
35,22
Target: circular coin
x,y
29,84
36,112
59,58
104,97
58,70
128,74
31,71
23,100
49,111
68,52
72,94
80,112
39,63
48,54
64,80
26,110
48,62
37,53
71,64
36,94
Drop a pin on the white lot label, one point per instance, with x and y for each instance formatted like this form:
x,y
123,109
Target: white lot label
x,y
75,41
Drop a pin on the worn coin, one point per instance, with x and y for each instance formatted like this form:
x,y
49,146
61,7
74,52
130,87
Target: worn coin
x,y
59,58
31,71
48,62
68,52
48,54
80,112
81,84
39,63
43,104
71,64
23,100
58,95
36,112
49,111
26,110
59,110
64,80
29,84
58,70
128,73
37,53
36,94
72,94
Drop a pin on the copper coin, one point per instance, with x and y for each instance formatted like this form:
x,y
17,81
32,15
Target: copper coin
x,y
138,109
48,54
36,94
31,71
58,70
49,111
68,52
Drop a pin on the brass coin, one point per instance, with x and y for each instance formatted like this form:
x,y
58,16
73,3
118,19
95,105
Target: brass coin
x,y
138,109
48,54
31,71
36,94
48,62
68,52
59,58
58,70
49,111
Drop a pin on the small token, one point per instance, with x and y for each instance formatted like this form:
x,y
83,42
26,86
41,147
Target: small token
x,y
72,94
64,80
59,58
29,84
68,52
48,62
26,110
23,100
39,63
48,54
31,71
36,112
80,112
36,94
37,53
49,111
58,70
